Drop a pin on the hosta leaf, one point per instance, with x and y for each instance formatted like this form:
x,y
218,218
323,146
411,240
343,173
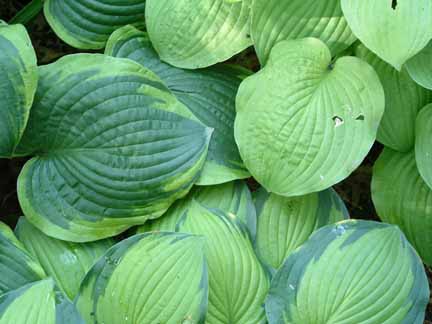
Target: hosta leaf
x,y
233,198
394,30
403,99
304,124
286,223
66,262
198,33
423,145
87,24
148,278
353,272
37,303
276,20
420,66
18,81
17,266
237,282
113,148
401,197
209,93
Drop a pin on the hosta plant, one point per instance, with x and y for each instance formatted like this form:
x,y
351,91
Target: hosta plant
x,y
185,167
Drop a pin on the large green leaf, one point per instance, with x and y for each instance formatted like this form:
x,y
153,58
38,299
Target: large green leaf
x,y
238,283
304,123
423,144
353,272
403,99
276,20
394,30
286,223
420,66
209,93
37,303
87,24
401,197
17,266
198,33
233,198
66,262
113,148
18,82
148,278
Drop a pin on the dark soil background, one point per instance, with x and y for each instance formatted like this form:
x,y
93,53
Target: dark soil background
x,y
355,190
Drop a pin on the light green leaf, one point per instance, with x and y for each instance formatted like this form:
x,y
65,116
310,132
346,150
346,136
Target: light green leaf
x,y
232,198
401,197
87,24
286,223
66,262
17,266
276,20
198,33
304,123
113,148
403,99
37,303
423,145
420,66
352,272
394,30
238,283
209,93
148,278
18,82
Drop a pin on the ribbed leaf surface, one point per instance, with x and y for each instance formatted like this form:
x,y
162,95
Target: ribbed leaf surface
x,y
276,20
401,197
304,124
423,145
352,272
18,82
420,66
87,24
232,198
148,278
237,281
209,93
403,100
198,33
113,148
17,266
394,30
286,223
66,262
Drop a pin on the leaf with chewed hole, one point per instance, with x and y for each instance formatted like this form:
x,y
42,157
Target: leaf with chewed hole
x,y
393,32
304,123
352,272
403,100
113,148
147,278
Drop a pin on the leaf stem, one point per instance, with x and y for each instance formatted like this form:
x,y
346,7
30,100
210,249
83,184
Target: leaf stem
x,y
26,14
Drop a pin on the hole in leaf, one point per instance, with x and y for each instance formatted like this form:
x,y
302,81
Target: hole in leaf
x,y
338,121
360,117
394,4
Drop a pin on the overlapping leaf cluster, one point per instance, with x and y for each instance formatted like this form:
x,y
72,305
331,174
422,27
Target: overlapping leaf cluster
x,y
154,137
